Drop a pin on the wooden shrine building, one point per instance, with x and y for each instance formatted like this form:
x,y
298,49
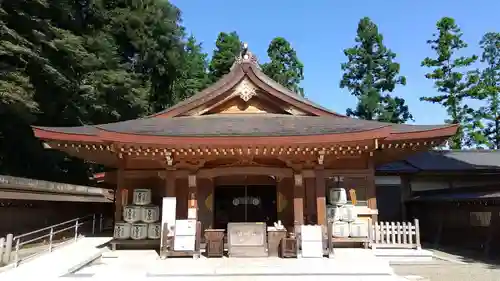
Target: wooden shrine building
x,y
246,149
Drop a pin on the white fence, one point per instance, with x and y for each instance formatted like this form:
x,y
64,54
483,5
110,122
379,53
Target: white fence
x,y
396,235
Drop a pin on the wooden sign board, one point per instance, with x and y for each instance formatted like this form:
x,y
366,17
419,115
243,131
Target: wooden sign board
x,y
168,214
185,235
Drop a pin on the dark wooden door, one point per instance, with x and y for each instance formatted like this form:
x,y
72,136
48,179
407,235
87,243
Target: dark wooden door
x,y
263,207
226,206
244,204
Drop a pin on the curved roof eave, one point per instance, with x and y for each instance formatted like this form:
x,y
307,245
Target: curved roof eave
x,y
98,135
79,134
445,131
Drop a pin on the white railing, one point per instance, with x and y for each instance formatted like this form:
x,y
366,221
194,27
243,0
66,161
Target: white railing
x,y
396,235
72,227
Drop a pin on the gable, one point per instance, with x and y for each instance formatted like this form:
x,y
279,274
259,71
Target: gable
x,y
259,93
246,97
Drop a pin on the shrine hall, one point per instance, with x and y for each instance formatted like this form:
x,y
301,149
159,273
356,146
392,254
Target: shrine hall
x,y
246,149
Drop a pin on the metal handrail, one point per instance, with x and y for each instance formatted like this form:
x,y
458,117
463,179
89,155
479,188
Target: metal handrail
x,y
75,224
51,226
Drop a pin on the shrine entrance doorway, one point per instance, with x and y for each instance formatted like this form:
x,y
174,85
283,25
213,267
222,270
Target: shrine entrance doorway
x,y
244,204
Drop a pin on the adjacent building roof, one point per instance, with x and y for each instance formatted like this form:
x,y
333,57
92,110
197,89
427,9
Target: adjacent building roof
x,y
446,161
31,189
466,196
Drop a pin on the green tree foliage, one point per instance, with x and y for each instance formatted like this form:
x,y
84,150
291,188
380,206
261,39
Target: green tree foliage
x,y
227,48
371,75
68,63
193,71
451,78
284,67
488,88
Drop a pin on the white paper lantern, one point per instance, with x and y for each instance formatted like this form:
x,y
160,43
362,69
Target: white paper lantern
x,y
139,231
359,228
150,214
338,196
340,229
122,230
142,197
350,213
132,213
154,231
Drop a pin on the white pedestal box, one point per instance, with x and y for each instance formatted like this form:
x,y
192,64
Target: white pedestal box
x,y
312,241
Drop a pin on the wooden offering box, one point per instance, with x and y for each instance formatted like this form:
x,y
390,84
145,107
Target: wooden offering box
x,y
247,239
274,238
214,239
288,248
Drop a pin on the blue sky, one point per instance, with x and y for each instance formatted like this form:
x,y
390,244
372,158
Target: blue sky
x,y
319,30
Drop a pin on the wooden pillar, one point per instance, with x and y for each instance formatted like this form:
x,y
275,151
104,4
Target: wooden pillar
x,y
320,197
192,197
298,199
120,189
170,184
405,195
371,192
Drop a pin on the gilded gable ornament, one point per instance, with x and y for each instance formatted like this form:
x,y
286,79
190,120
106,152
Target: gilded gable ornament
x,y
246,90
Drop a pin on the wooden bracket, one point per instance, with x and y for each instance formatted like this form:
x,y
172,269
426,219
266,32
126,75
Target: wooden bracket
x,y
321,157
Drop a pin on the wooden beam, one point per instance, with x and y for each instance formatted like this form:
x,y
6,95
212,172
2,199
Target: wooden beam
x,y
248,171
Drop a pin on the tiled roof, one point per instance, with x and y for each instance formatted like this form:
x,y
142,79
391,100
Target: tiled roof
x,y
239,125
446,160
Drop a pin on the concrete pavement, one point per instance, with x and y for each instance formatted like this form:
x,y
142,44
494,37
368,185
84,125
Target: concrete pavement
x,y
146,265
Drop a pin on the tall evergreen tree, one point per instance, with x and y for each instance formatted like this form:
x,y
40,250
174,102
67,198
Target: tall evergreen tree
x,y
67,63
371,75
284,67
227,48
488,88
451,77
193,72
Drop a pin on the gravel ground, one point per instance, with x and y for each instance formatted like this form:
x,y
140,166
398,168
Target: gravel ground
x,y
455,268
450,271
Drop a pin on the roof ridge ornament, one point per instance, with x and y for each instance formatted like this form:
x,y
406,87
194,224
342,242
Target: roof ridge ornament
x,y
246,56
